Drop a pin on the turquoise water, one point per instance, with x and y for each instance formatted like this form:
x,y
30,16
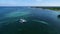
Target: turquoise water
x,y
39,21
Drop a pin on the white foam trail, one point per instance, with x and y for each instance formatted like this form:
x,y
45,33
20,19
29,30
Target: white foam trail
x,y
41,21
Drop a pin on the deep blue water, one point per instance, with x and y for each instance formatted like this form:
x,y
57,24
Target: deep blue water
x,y
39,21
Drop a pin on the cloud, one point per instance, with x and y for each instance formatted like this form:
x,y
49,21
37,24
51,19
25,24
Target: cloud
x,y
50,4
38,0
29,3
8,3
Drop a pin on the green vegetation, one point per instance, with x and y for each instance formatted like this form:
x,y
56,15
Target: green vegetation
x,y
51,8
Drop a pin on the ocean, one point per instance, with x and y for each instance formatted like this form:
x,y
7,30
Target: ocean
x,y
37,21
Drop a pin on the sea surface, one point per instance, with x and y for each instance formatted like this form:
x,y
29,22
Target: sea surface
x,y
38,21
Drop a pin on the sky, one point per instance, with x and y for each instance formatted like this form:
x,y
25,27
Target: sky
x,y
29,2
